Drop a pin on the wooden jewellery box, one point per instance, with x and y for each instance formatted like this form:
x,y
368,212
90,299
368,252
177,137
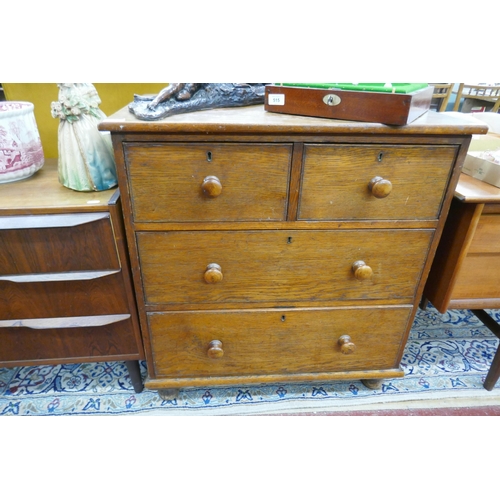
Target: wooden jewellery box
x,y
370,102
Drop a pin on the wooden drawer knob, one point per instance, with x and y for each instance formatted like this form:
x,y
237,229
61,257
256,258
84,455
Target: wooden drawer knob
x,y
347,346
213,274
215,349
212,186
379,187
361,270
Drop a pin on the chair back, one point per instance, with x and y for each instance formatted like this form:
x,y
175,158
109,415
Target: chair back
x,y
442,93
487,93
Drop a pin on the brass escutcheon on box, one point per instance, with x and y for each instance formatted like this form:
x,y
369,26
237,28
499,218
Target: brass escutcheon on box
x,y
331,99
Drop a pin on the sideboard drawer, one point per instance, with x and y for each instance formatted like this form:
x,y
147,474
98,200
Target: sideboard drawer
x,y
279,266
478,277
263,342
49,340
336,181
86,294
57,244
479,273
208,181
487,235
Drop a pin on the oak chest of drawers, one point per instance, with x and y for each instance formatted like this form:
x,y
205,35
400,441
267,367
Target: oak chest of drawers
x,y
66,293
272,248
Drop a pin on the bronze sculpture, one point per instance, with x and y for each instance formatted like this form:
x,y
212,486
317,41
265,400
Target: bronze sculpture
x,y
179,98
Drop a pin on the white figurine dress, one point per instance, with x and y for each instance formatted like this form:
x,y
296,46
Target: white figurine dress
x,y
86,159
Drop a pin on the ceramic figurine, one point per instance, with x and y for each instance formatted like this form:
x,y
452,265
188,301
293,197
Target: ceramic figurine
x,y
86,158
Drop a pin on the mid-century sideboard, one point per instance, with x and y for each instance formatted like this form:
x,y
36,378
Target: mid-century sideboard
x,y
66,293
466,270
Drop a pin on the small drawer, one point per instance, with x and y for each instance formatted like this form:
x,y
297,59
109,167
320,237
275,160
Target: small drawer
x,y
342,182
56,244
265,342
208,181
220,267
68,339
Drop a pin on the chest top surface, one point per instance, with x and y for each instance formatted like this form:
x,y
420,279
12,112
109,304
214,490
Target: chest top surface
x,y
255,120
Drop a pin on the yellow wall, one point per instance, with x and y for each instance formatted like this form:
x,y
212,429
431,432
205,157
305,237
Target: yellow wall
x,y
114,96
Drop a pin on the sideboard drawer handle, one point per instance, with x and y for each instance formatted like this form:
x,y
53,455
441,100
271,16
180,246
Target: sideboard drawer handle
x,y
380,187
45,278
361,271
212,186
347,346
50,221
213,274
66,322
215,349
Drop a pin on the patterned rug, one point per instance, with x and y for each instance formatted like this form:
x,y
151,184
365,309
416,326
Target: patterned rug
x,y
447,356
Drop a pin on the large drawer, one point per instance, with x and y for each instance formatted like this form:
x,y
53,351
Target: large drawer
x,y
337,181
208,181
48,340
280,266
57,244
274,342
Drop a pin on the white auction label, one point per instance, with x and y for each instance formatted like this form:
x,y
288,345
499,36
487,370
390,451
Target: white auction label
x,y
276,100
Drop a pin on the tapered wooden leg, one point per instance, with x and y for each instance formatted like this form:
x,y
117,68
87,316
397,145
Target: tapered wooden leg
x,y
424,303
494,371
135,375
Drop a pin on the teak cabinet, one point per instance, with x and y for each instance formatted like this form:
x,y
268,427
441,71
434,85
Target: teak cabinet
x,y
272,248
66,293
465,273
